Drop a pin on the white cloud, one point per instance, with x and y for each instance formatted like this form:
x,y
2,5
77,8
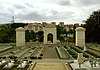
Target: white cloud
x,y
69,11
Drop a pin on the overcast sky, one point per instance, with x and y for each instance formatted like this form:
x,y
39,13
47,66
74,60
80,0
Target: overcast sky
x,y
68,11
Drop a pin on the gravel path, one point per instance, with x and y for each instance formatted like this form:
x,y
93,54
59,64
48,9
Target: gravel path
x,y
50,52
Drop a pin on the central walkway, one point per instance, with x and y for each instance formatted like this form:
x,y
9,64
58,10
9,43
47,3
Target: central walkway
x,y
50,52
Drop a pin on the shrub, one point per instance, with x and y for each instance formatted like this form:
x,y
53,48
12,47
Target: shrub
x,y
93,54
39,57
33,57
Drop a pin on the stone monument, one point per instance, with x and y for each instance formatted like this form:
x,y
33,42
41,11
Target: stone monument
x,y
50,29
20,36
80,36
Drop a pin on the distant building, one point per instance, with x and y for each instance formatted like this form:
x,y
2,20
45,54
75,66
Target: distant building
x,y
37,26
44,24
69,27
61,24
34,27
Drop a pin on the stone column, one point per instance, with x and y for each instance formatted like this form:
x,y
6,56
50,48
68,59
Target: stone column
x,y
80,36
20,36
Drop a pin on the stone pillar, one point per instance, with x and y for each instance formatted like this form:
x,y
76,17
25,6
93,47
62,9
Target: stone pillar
x,y
80,36
20,36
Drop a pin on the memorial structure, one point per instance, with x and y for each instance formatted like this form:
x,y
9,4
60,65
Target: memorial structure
x,y
50,34
20,36
80,36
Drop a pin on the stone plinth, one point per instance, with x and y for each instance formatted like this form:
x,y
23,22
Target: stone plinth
x,y
80,58
20,36
80,36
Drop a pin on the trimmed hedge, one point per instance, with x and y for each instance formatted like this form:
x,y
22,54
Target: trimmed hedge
x,y
77,50
33,57
79,47
74,55
93,54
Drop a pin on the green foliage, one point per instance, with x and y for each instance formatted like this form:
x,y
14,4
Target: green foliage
x,y
30,36
60,31
71,52
93,27
80,50
74,48
3,33
40,36
79,47
8,33
93,54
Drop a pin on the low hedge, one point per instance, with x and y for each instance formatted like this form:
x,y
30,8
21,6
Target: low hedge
x,y
72,53
79,47
77,50
93,54
33,57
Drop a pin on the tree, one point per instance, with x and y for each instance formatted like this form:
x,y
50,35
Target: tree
x,y
4,37
8,33
60,30
40,36
93,27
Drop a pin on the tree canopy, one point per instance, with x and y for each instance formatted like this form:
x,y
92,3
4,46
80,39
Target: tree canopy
x,y
93,27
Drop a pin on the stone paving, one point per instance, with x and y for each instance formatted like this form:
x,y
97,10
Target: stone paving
x,y
51,66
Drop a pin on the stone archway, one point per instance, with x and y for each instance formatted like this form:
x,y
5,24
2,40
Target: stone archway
x,y
50,38
50,29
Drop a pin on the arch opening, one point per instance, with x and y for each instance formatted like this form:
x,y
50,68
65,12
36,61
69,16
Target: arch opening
x,y
50,38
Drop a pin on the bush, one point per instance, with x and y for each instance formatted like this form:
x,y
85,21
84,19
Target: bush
x,y
74,55
33,57
41,54
80,47
77,50
3,57
93,54
30,61
85,55
39,57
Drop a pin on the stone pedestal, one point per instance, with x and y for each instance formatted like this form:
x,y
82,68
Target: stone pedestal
x,y
80,36
20,36
80,58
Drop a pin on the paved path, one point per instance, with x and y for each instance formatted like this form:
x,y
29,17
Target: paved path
x,y
50,52
51,66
